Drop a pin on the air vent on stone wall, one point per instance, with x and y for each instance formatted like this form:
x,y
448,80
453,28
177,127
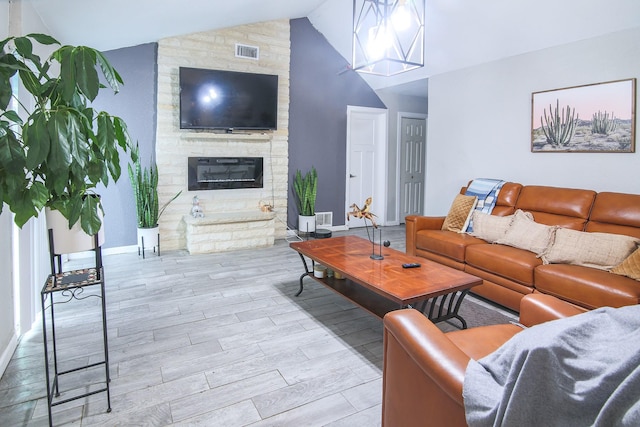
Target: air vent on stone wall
x,y
245,51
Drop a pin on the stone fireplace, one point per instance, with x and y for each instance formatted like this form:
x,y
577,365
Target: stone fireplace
x,y
233,216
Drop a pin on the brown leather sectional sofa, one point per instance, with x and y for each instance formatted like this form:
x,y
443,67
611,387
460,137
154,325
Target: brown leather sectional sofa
x,y
510,273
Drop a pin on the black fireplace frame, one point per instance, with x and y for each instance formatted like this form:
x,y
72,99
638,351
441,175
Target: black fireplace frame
x,y
242,164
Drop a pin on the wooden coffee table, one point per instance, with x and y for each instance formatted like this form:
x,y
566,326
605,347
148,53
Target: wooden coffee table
x,y
380,286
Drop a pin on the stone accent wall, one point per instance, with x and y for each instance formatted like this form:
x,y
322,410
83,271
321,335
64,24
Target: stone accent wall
x,y
236,230
216,50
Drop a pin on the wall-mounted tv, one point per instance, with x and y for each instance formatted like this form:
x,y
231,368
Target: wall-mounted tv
x,y
219,99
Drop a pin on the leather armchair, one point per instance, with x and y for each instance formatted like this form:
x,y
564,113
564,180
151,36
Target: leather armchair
x,y
424,368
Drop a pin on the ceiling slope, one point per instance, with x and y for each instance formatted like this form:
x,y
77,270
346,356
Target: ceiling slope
x,y
459,33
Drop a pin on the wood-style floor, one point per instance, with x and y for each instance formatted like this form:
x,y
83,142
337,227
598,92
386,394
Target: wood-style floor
x,y
209,340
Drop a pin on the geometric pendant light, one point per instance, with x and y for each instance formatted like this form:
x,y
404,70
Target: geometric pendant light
x,y
388,36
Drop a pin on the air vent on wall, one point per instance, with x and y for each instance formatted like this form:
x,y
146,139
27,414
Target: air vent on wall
x,y
245,51
324,219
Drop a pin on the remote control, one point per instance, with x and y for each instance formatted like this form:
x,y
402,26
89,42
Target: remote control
x,y
411,265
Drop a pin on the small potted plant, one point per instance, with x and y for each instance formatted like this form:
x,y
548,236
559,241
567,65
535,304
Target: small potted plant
x,y
305,188
144,182
57,149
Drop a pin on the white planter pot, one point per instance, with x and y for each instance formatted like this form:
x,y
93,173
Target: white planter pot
x,y
68,241
306,224
150,236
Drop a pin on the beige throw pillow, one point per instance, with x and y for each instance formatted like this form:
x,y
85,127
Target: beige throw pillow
x,y
491,227
460,213
630,267
524,233
596,250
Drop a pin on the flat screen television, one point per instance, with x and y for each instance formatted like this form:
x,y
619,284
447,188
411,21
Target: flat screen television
x,y
219,99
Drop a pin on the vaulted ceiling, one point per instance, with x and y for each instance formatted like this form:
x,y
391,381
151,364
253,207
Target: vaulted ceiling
x,y
459,33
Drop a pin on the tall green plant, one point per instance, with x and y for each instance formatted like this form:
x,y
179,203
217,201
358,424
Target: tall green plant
x,y
559,126
602,123
306,188
64,148
144,182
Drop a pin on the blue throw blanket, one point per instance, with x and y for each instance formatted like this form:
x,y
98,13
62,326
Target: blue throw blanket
x,y
583,370
486,190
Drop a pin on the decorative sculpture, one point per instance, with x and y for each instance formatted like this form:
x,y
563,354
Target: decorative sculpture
x,y
363,213
366,214
196,210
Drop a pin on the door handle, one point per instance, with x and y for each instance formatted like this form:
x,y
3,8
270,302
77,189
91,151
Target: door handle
x,y
351,175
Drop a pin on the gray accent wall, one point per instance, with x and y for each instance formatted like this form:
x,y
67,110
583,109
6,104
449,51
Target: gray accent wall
x,y
321,88
136,105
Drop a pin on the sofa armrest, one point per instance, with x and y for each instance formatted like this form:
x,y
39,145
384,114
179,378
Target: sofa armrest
x,y
539,308
415,223
423,372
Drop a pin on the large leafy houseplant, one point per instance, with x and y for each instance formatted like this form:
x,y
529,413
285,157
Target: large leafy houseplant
x,y
144,182
62,150
306,188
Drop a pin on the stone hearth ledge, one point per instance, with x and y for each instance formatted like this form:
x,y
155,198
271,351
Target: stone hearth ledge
x,y
228,231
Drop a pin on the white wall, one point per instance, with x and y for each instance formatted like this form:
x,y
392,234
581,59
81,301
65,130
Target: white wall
x,y
6,304
480,121
7,327
31,257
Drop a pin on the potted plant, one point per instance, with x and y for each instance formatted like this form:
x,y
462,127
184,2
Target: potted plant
x,y
305,189
55,153
144,182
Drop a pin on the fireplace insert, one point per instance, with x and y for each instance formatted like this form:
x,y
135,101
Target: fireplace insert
x,y
218,173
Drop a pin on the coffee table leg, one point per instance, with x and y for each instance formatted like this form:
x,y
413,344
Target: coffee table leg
x,y
306,273
447,307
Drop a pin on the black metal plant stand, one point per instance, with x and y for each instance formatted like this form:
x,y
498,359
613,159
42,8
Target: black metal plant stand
x,y
61,288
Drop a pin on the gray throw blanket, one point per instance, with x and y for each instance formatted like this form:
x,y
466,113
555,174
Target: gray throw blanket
x,y
579,371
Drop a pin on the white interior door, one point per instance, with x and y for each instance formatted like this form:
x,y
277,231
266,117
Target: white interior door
x,y
366,161
412,165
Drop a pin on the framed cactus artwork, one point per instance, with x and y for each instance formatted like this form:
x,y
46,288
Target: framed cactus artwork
x,y
594,118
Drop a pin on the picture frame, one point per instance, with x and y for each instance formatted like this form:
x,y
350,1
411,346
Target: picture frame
x,y
593,118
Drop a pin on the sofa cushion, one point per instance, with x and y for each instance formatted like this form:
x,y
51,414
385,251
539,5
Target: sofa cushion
x,y
524,233
446,243
587,287
630,267
491,227
595,250
504,261
460,213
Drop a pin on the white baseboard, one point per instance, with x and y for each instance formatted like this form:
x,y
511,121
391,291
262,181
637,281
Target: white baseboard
x,y
291,233
120,250
107,251
5,357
